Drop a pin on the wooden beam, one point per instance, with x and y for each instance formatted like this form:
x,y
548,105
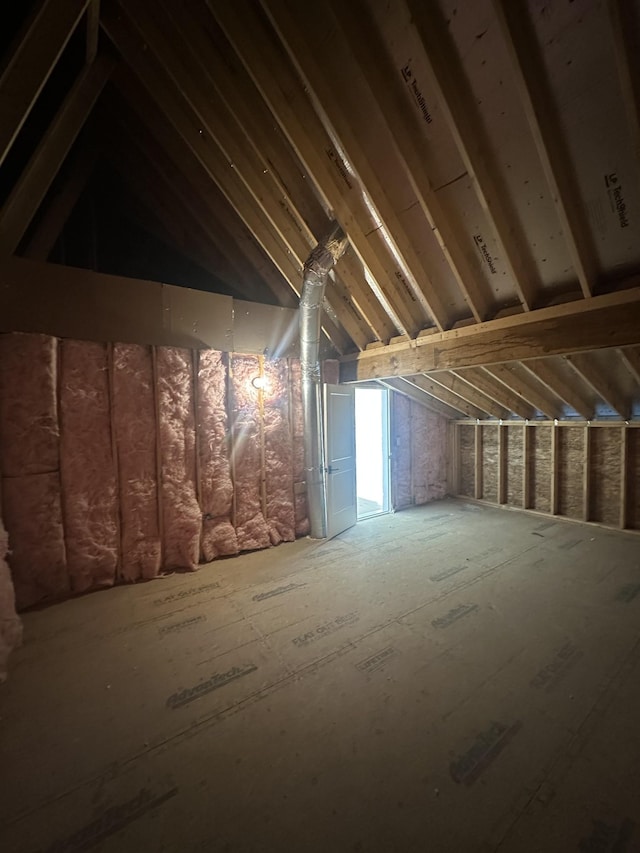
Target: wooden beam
x,y
601,384
477,463
455,456
222,70
59,207
631,359
32,62
610,320
503,396
530,80
139,111
296,31
383,82
527,432
542,401
624,477
283,92
31,188
93,31
409,390
555,468
424,383
446,79
228,164
503,462
259,177
544,371
467,392
621,19
586,475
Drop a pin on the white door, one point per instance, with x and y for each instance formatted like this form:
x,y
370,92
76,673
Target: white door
x,y
340,444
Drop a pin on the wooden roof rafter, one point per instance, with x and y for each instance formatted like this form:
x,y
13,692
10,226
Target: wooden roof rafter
x,y
540,110
32,62
32,185
543,370
504,396
295,31
403,386
443,395
164,91
530,391
283,91
466,391
447,81
601,384
354,19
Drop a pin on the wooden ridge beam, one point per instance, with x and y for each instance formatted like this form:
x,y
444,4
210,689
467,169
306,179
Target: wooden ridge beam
x,y
163,90
31,63
447,81
544,371
368,50
60,206
631,359
610,320
296,29
540,110
503,396
601,384
467,392
426,384
401,386
31,188
280,88
529,391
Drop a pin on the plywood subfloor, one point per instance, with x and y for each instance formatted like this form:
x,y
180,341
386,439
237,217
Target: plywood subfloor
x,y
451,678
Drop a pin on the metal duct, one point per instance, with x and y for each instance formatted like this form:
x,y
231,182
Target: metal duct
x,y
316,270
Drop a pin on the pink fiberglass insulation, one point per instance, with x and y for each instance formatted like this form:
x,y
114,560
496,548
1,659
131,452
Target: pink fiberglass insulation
x,y
436,451
420,452
401,451
28,410
89,494
33,517
251,527
10,624
278,453
216,486
181,515
299,482
134,421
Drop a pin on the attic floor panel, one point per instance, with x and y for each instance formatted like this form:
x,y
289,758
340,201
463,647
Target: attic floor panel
x,y
450,678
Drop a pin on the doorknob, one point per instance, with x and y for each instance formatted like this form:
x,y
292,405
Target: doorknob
x,y
331,469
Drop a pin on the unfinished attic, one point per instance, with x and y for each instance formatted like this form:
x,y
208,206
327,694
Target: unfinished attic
x,y
319,426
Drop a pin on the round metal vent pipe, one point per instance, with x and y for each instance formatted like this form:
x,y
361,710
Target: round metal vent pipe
x,y
316,269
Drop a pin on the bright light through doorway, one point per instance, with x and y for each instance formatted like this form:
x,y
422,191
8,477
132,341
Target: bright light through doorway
x,y
372,451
